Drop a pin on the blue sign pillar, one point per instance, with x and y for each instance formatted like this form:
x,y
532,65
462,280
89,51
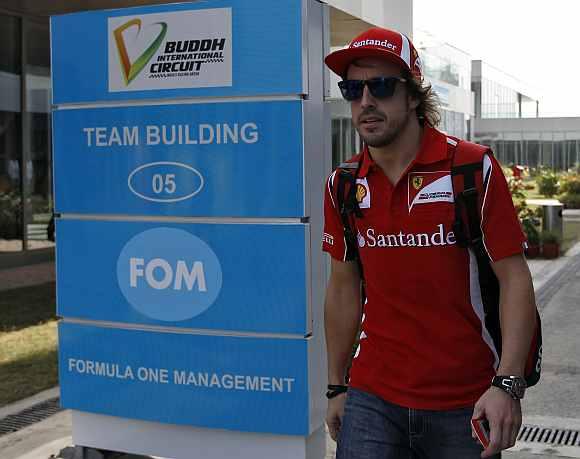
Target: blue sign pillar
x,y
188,168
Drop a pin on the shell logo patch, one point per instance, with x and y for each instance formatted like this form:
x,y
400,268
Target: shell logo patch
x,y
363,193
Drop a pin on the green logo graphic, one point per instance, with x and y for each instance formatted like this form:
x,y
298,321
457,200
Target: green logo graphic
x,y
132,69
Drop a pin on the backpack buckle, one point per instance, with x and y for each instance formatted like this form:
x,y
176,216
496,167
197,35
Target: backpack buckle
x,y
469,193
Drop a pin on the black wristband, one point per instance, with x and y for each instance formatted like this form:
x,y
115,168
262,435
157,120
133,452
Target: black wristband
x,y
335,390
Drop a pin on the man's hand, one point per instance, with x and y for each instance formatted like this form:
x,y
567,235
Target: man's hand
x,y
504,415
334,414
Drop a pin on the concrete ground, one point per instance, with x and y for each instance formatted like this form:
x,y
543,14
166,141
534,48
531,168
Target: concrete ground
x,y
555,402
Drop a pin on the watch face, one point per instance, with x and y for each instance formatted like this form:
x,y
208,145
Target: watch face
x,y
513,385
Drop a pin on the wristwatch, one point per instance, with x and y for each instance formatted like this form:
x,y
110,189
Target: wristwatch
x,y
334,390
515,386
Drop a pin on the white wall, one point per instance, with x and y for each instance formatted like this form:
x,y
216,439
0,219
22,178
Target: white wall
x,y
392,14
526,125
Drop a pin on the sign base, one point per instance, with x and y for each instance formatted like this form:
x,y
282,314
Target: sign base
x,y
185,442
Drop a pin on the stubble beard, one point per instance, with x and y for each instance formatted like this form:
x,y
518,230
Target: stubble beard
x,y
392,132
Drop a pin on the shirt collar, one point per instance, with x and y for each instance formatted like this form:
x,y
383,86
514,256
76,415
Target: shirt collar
x,y
433,149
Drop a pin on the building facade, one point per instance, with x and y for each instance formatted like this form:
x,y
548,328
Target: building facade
x,y
25,154
448,70
507,119
532,142
500,95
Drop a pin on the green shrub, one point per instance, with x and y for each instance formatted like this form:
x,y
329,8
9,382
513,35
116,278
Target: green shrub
x,y
530,223
10,215
532,233
547,181
571,200
550,237
570,183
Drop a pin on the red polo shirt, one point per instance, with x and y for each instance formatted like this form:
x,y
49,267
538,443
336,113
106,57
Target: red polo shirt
x,y
423,344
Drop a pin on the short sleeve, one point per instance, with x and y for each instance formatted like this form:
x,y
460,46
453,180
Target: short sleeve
x,y
333,237
501,228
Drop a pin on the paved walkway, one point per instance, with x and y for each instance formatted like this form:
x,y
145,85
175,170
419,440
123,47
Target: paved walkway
x,y
557,285
25,276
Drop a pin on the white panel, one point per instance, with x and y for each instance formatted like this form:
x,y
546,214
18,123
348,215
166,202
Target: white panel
x,y
316,168
184,442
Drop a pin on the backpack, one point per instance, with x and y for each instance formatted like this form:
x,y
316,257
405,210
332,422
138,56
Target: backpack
x,y
468,185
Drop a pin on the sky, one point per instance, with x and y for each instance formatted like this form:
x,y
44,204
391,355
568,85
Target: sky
x,y
536,41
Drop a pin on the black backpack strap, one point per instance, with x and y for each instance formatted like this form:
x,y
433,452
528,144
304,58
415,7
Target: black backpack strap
x,y
467,202
349,209
467,229
344,191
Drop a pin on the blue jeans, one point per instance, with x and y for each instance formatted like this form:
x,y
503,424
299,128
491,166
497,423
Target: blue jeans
x,y
375,429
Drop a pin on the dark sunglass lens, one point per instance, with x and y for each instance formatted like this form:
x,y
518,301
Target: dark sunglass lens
x,y
382,87
351,89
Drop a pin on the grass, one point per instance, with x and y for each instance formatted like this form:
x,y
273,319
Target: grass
x,y
532,193
28,342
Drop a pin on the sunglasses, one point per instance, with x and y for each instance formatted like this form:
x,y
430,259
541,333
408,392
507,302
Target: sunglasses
x,y
381,87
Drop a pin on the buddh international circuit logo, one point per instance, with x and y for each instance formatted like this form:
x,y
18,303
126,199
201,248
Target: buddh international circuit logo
x,y
170,50
132,69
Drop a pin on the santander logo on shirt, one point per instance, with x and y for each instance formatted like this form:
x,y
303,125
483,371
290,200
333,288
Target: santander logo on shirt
x,y
439,237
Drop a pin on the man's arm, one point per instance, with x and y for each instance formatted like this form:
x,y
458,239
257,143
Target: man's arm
x,y
342,313
517,313
517,320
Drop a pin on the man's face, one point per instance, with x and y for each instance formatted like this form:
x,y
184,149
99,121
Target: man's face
x,y
379,121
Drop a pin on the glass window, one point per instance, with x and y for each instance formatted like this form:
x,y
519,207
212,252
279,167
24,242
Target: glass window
x,y
38,184
560,161
10,136
547,151
345,141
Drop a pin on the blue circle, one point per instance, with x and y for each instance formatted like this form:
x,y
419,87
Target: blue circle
x,y
169,274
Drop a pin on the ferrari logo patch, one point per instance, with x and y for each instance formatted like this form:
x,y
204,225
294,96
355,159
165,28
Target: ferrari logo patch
x,y
417,182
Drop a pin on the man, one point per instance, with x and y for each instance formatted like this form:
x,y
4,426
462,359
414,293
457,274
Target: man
x,y
425,360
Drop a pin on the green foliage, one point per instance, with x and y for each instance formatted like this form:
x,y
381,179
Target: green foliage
x,y
528,217
550,237
570,183
530,223
547,181
530,228
570,189
571,200
10,208
10,215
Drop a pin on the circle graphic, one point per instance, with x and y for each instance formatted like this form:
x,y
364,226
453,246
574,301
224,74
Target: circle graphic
x,y
169,274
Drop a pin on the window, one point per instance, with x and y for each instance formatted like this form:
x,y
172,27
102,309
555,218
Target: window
x,y
11,227
25,156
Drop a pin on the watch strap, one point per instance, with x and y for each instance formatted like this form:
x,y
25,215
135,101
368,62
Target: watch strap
x,y
335,389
